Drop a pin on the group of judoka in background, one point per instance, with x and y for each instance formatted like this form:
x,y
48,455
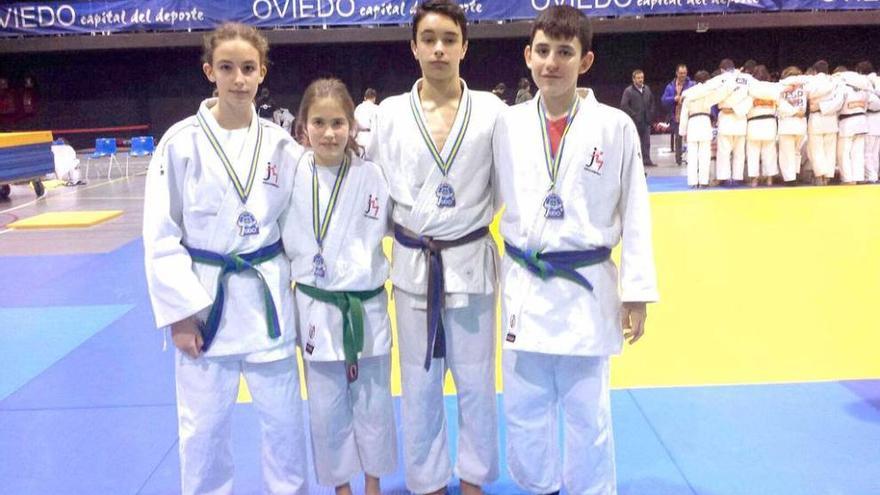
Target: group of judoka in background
x,y
815,125
237,212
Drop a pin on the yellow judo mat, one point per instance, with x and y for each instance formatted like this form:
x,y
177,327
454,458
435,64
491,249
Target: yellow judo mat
x,y
756,286
65,219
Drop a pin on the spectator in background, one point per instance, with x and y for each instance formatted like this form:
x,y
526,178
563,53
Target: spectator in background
x,y
499,91
671,100
638,102
265,104
524,91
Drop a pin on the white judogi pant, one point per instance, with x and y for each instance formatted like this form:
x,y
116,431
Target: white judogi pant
x,y
872,158
535,386
823,154
790,155
728,145
470,356
851,158
352,425
207,389
699,159
761,158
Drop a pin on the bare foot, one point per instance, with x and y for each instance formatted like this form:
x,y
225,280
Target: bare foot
x,y
343,489
371,485
470,488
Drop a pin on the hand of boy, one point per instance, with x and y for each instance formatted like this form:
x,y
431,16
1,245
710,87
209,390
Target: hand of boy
x,y
186,336
633,319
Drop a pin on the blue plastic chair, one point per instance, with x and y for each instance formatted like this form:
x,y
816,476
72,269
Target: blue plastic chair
x,y
103,147
140,146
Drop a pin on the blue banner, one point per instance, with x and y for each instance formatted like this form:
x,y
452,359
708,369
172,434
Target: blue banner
x,y
84,17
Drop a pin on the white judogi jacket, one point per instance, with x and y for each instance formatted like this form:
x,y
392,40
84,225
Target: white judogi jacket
x,y
855,103
413,179
792,106
190,200
826,99
602,185
734,108
352,254
765,96
699,99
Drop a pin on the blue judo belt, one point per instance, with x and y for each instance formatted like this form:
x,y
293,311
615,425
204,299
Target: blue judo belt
x,y
560,263
237,263
436,286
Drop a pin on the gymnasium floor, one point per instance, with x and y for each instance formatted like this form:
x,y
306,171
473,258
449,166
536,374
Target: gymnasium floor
x,y
759,373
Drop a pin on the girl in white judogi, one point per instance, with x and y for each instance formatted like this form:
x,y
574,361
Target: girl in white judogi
x,y
792,123
333,234
217,274
695,125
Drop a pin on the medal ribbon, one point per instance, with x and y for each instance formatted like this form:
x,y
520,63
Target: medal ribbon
x,y
443,165
243,191
551,161
318,226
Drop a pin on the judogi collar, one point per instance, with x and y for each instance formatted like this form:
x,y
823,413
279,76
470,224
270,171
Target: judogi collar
x,y
253,141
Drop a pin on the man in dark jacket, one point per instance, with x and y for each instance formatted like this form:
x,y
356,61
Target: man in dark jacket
x,y
638,102
671,100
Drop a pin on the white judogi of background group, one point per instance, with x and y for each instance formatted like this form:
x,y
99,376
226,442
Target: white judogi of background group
x,y
470,277
842,132
565,334
762,129
792,126
695,123
352,425
872,140
826,100
190,200
852,126
365,115
733,126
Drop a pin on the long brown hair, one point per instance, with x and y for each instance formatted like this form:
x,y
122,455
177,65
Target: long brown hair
x,y
328,88
235,30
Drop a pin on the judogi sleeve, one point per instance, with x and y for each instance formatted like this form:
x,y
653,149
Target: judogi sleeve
x,y
638,277
833,103
175,290
684,117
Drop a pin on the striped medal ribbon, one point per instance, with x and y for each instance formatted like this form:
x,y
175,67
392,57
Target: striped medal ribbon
x,y
320,226
246,222
553,207
445,193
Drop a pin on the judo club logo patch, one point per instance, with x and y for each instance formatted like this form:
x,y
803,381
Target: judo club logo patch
x,y
372,210
271,178
597,160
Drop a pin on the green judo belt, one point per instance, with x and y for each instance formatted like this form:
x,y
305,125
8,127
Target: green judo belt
x,y
237,263
351,304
